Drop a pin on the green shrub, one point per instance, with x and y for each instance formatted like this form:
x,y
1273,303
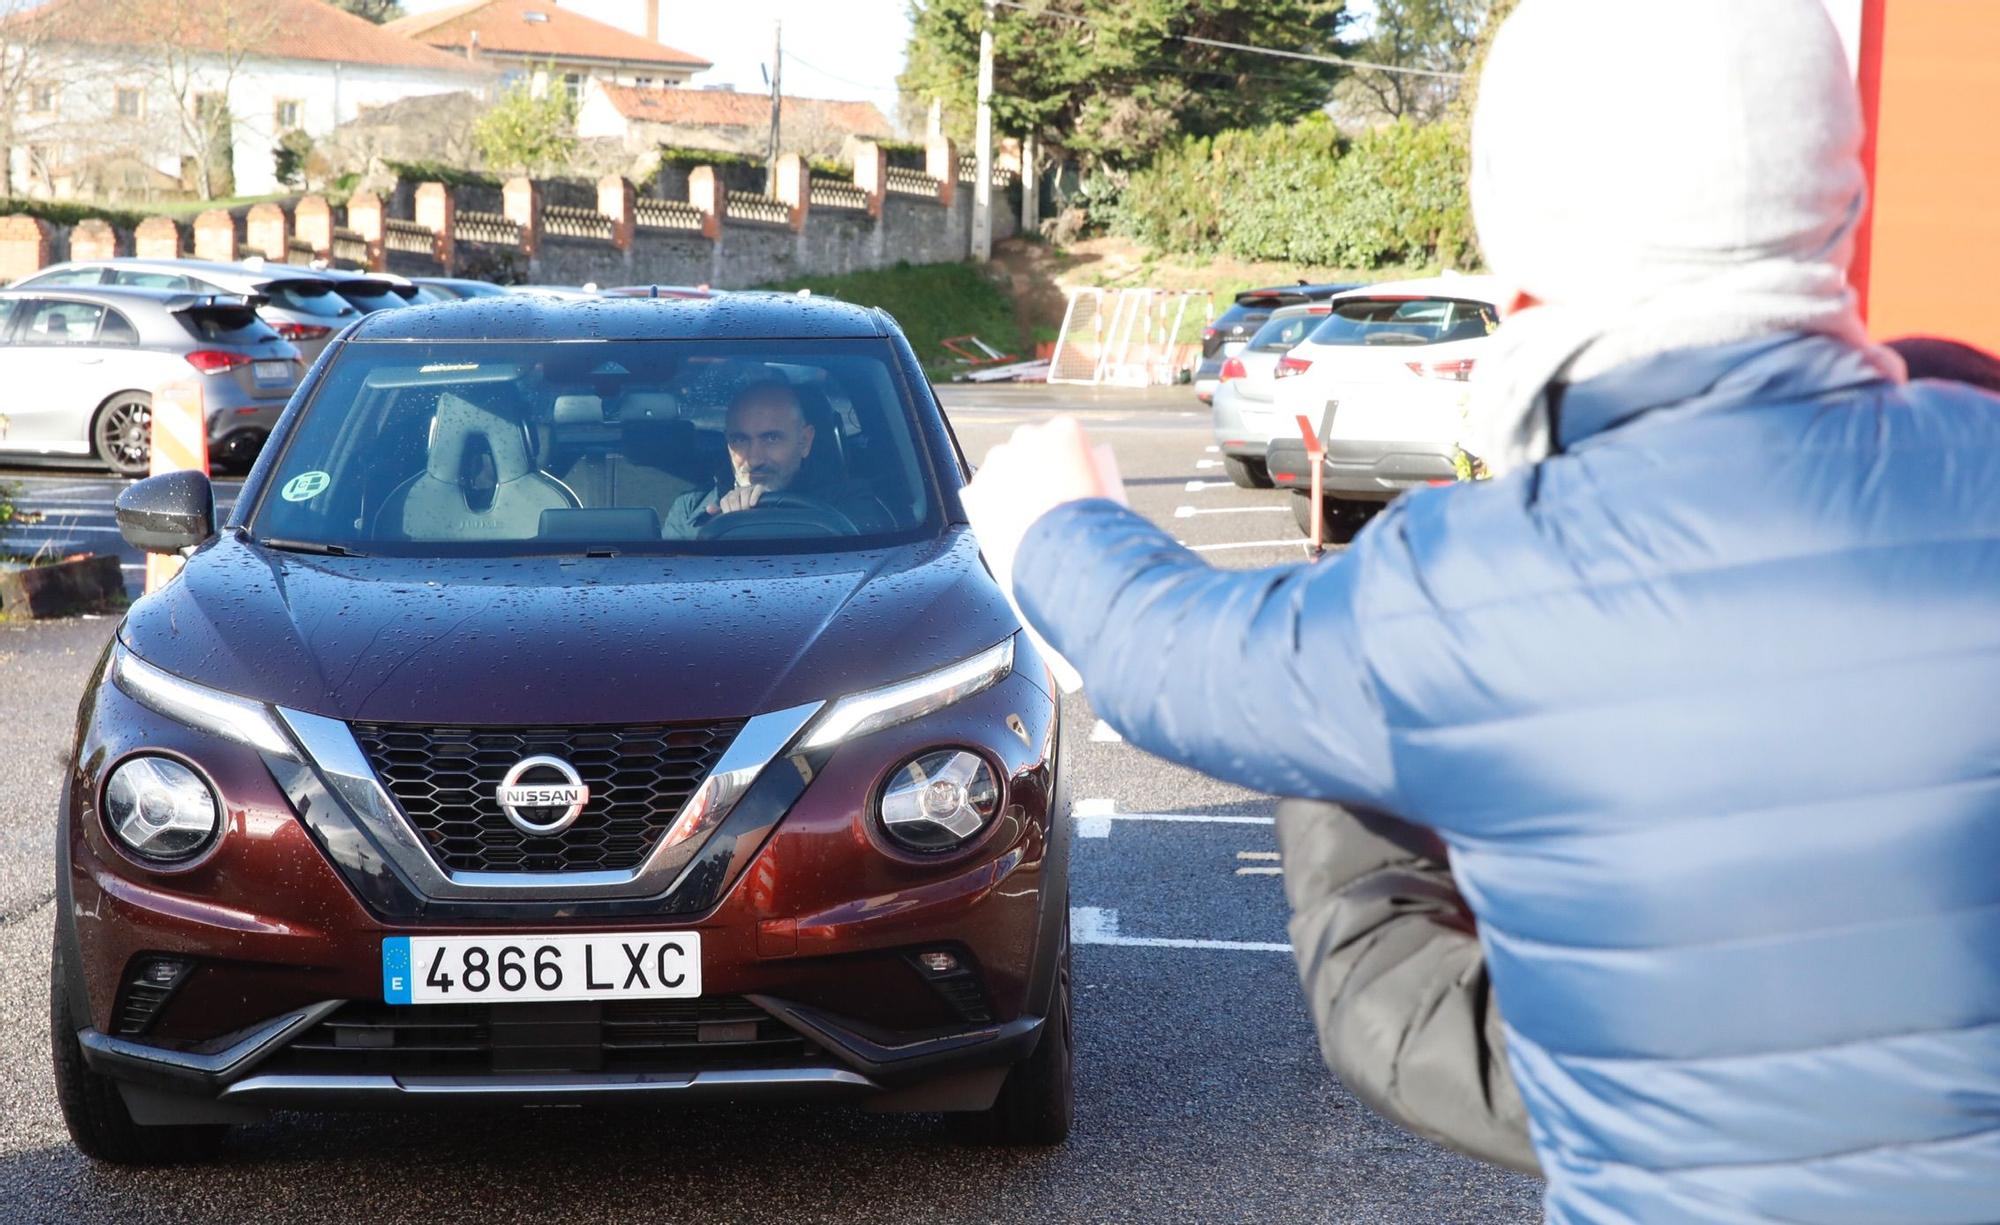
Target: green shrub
x,y
438,172
1303,194
674,155
930,302
69,212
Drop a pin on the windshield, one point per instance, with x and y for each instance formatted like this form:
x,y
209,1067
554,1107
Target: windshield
x,y
460,449
1283,331
370,296
1405,321
309,298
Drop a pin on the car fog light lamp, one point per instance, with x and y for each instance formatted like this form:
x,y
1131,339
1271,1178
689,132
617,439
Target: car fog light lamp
x,y
940,800
938,961
159,809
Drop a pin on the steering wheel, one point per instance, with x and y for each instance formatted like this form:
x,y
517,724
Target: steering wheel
x,y
781,513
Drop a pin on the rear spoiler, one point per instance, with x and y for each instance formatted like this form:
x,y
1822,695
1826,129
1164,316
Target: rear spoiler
x,y
217,301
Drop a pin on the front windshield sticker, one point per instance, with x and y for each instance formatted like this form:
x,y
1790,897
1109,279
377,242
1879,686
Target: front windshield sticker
x,y
306,486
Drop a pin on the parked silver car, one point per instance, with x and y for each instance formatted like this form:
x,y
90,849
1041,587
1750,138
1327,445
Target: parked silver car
x,y
300,303
78,366
1247,416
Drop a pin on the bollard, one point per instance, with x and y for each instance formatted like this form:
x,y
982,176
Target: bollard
x,y
180,443
1314,453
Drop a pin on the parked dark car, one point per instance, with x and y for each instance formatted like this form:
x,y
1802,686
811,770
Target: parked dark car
x,y
460,287
1240,320
80,365
298,302
447,772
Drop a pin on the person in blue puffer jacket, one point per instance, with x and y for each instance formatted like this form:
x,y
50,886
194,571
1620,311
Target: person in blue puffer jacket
x,y
1696,694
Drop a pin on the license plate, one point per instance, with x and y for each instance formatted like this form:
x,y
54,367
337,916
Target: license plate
x,y
272,372
483,969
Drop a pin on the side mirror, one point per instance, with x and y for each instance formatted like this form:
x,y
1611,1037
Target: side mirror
x,y
167,513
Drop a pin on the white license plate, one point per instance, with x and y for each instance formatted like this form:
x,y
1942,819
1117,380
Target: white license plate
x,y
483,969
272,372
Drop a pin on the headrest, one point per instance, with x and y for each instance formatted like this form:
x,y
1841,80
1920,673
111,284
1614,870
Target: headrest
x,y
579,410
458,422
649,406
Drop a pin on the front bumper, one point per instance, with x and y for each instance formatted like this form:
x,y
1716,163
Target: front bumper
x,y
812,927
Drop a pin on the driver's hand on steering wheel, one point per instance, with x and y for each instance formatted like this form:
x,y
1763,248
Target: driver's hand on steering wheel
x,y
743,497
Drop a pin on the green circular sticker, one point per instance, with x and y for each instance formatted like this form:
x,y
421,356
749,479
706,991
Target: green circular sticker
x,y
306,486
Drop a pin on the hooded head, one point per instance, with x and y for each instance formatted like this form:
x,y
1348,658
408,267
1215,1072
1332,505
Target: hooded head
x,y
1658,176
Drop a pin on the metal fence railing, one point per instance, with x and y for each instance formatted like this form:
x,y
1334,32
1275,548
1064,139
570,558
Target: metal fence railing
x,y
901,182
652,214
750,206
349,247
470,226
832,193
409,236
569,222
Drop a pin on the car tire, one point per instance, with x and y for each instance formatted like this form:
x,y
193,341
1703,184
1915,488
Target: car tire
x,y
121,433
1247,473
1342,520
99,1123
1038,1100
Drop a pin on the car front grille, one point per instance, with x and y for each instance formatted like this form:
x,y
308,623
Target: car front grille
x,y
447,779
478,1039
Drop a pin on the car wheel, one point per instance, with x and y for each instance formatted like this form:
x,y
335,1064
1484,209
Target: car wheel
x,y
1247,473
122,435
1342,519
99,1124
1037,1102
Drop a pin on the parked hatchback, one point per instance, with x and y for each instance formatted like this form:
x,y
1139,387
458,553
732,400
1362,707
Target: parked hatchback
x,y
1239,321
671,744
298,303
1386,379
1246,412
80,366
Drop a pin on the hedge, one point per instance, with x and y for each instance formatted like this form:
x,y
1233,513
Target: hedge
x,y
1304,194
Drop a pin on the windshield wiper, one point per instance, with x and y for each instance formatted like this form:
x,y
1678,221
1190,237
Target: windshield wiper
x,y
309,546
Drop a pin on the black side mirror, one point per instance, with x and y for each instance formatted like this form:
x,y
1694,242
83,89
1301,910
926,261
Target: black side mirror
x,y
168,512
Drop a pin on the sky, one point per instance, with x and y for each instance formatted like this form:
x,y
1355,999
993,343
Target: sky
x,y
833,48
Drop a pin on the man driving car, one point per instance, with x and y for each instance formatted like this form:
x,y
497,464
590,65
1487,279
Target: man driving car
x,y
769,439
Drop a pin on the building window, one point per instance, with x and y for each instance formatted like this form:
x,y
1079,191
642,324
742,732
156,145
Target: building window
x,y
643,82
288,114
41,98
130,103
573,82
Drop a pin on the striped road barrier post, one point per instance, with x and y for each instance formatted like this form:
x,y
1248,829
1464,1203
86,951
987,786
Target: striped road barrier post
x,y
180,444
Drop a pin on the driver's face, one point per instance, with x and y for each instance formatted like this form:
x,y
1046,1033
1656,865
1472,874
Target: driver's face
x,y
768,442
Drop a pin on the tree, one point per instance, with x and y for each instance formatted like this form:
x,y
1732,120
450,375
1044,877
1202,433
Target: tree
x,y
1433,35
1110,81
290,158
531,132
377,11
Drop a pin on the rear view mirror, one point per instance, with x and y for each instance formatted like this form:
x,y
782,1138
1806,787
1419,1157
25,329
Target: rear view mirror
x,y
167,513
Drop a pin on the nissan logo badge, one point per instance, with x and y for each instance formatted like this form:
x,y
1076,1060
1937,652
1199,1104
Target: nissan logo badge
x,y
540,785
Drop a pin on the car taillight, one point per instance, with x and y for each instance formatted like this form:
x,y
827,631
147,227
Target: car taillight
x,y
1233,369
217,361
1459,371
1208,333
1289,366
303,331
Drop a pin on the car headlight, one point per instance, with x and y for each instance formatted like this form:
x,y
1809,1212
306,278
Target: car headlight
x,y
939,801
159,809
860,713
211,710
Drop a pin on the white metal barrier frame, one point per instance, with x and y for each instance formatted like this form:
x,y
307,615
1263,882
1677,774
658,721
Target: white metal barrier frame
x,y
1136,345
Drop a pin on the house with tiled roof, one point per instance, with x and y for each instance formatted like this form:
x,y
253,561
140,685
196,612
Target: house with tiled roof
x,y
201,91
538,38
724,119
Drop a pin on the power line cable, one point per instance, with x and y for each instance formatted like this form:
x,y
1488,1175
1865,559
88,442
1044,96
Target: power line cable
x,y
1309,57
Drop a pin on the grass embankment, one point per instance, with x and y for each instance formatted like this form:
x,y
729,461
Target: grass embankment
x,y
931,302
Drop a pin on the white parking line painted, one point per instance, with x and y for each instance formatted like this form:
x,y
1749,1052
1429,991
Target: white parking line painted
x,y
1256,854
1104,733
1295,542
1093,817
1189,512
1198,486
1094,925
1207,463
1213,450
1259,871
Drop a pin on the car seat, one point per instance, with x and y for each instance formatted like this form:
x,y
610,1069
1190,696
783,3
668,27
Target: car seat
x,y
661,458
442,502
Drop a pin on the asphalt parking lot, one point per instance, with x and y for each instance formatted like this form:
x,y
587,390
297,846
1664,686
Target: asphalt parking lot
x,y
1201,1093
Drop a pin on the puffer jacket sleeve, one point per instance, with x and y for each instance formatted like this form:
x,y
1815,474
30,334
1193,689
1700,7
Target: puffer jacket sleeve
x,y
1257,677
1396,981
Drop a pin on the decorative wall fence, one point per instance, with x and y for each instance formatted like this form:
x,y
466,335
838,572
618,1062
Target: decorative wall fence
x,y
810,225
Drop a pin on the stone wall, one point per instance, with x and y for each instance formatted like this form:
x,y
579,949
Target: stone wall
x,y
709,228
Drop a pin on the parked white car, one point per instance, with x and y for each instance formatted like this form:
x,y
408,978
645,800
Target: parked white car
x,y
1386,379
1245,406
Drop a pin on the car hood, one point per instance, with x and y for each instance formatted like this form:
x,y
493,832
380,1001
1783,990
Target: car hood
x,y
542,640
